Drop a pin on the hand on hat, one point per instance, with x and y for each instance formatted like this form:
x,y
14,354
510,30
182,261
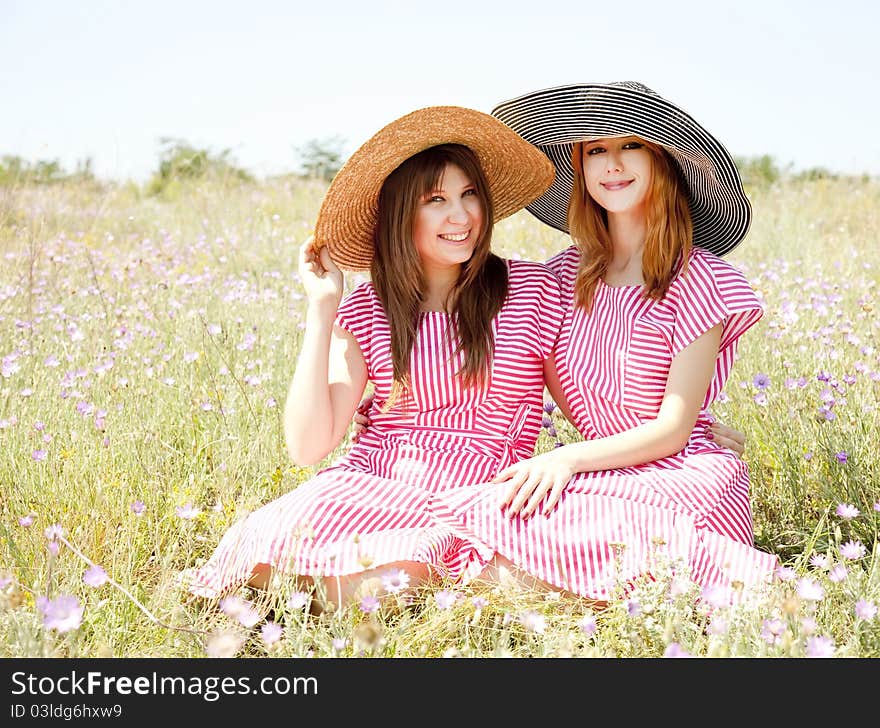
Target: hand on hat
x,y
320,276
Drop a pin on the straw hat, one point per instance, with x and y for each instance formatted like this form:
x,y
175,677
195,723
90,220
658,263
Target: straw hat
x,y
517,173
553,119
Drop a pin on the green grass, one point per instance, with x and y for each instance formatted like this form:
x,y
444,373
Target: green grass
x,y
147,345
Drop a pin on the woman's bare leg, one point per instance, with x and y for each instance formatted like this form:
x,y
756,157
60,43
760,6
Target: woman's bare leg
x,y
349,588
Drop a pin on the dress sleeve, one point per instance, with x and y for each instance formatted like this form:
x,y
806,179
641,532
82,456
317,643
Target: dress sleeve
x,y
355,315
552,312
712,291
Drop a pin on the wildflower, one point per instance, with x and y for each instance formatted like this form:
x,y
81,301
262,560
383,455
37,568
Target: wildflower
x,y
820,561
841,456
445,599
271,633
533,622
395,581
865,610
820,647
339,643
718,626
190,356
549,407
223,644
877,506
761,381
62,614
214,329
847,511
808,456
673,649
138,508
53,548
716,596
241,610
39,455
786,573
632,607
853,550
479,602
298,600
95,576
837,574
187,511
588,625
54,531
772,631
810,589
369,604
26,521
760,399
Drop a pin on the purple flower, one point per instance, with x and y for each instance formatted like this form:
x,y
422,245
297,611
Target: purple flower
x,y
369,604
786,573
772,631
877,506
633,607
62,614
223,644
810,589
865,610
298,600
26,521
853,550
847,511
841,456
819,561
549,407
445,599
339,643
395,581
533,621
138,508
837,573
54,531
479,602
588,625
673,649
761,381
820,647
271,632
95,576
39,455
241,610
187,511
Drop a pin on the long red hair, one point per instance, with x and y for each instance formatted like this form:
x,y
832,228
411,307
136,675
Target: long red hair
x,y
668,239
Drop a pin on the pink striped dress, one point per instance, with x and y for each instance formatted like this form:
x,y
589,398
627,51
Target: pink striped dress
x,y
373,506
692,507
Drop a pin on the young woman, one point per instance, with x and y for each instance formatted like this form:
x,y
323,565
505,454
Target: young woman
x,y
453,338
651,200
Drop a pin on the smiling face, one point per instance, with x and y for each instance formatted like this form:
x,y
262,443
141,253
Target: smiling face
x,y
448,221
618,172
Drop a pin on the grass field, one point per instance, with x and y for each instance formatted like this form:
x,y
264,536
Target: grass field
x,y
146,346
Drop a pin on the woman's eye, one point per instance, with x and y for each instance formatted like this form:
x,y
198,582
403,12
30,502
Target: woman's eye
x,y
632,145
435,198
595,150
469,192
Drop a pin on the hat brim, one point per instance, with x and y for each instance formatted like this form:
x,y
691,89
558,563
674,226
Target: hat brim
x,y
554,119
517,173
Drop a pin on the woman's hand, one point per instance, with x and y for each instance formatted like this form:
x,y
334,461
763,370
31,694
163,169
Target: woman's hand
x,y
361,420
321,278
728,437
530,481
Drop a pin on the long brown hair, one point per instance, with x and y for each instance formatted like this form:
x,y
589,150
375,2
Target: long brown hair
x,y
668,239
396,270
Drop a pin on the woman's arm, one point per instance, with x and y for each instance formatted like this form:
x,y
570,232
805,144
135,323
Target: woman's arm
x,y
689,376
331,372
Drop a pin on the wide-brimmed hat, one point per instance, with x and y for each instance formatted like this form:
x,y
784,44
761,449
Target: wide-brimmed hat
x,y
517,172
554,119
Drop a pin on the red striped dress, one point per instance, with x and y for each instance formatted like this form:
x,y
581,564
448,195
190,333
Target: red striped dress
x,y
692,507
372,506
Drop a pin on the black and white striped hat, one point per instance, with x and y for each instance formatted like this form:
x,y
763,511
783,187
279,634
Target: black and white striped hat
x,y
554,119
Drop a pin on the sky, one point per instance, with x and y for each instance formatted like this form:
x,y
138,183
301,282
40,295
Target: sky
x,y
108,79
